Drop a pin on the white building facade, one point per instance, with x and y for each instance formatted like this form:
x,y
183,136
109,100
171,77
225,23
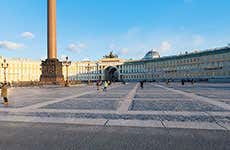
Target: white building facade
x,y
208,65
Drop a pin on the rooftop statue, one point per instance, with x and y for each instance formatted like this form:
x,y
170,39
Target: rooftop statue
x,y
111,55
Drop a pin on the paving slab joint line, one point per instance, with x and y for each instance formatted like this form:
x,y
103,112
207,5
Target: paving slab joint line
x,y
106,123
222,126
127,100
162,121
201,98
39,105
56,100
217,122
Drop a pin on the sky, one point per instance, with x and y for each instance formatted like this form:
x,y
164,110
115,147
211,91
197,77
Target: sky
x,y
90,29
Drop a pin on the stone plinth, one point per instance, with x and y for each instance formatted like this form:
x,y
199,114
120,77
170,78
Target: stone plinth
x,y
52,72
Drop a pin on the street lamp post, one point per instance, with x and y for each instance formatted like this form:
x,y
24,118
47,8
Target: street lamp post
x,y
67,63
5,66
97,71
88,68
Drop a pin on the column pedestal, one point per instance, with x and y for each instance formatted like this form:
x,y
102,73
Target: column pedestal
x,y
52,72
52,67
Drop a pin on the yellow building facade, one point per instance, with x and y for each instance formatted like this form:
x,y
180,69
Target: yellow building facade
x,y
20,69
205,65
23,70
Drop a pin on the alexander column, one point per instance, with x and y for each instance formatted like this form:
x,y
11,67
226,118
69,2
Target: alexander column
x,y
52,67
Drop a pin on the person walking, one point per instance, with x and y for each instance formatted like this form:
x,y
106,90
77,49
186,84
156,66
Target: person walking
x,y
182,82
98,85
142,84
192,81
105,86
167,81
4,94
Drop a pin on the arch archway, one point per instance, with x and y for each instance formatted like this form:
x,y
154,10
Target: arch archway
x,y
111,74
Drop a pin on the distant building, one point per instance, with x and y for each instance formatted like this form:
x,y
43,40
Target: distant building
x,y
151,55
212,65
20,69
107,68
209,65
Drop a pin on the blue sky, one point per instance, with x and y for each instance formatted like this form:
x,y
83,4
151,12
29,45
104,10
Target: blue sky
x,y
92,28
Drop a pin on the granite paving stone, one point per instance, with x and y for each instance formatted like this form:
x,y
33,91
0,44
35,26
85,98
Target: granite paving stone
x,y
180,118
214,91
102,96
22,97
226,101
174,106
169,103
159,96
85,104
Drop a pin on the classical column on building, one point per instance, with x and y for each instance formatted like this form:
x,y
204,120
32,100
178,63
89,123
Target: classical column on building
x,y
52,67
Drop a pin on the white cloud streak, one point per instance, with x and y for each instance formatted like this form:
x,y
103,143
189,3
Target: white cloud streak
x,y
76,47
10,45
165,45
124,51
27,35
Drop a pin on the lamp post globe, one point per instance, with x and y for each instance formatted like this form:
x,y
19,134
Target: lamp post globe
x,y
67,63
5,65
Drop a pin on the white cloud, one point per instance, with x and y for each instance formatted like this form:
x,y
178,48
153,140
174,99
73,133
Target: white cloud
x,y
124,51
165,45
27,35
10,45
198,40
76,47
86,59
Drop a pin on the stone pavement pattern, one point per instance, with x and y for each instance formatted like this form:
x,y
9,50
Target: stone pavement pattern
x,y
45,136
199,106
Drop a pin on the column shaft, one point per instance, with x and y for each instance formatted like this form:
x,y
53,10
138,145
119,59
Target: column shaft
x,y
52,46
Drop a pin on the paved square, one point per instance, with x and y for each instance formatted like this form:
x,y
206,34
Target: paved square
x,y
215,91
203,105
85,104
22,97
174,105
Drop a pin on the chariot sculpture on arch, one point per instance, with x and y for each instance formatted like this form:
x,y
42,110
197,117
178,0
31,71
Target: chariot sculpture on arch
x,y
111,55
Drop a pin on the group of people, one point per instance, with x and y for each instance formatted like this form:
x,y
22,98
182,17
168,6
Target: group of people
x,y
4,87
104,85
183,81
